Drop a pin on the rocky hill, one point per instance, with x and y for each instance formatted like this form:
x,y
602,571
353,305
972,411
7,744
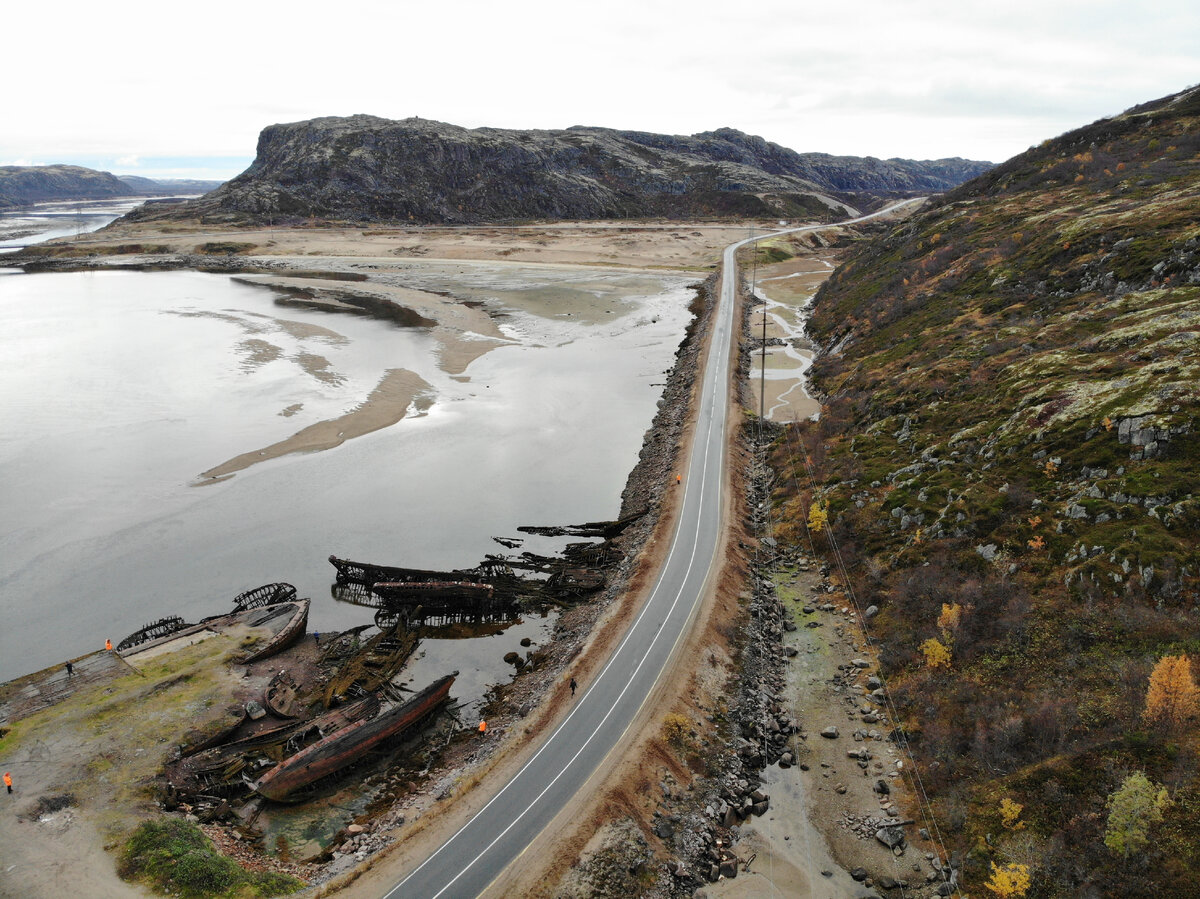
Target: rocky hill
x,y
164,187
24,185
364,168
1010,460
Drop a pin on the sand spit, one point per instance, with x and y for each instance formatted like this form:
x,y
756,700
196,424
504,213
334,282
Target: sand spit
x,y
399,391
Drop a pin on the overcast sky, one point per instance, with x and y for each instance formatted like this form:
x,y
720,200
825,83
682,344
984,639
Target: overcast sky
x,y
183,89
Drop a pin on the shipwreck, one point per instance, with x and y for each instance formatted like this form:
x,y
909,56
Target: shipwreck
x,y
347,745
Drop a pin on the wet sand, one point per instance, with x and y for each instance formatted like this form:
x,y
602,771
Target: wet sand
x,y
399,391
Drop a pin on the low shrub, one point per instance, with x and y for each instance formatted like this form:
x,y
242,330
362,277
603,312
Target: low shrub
x,y
174,856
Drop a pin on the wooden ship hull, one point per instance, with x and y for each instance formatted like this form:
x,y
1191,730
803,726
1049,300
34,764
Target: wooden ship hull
x,y
372,666
351,743
266,595
155,630
577,574
424,599
292,630
281,696
365,574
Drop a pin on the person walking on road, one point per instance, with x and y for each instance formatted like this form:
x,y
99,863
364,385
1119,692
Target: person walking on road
x,y
70,670
108,645
8,781
573,686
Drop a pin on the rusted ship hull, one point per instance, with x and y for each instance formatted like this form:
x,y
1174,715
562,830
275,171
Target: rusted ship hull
x,y
349,744
217,770
292,630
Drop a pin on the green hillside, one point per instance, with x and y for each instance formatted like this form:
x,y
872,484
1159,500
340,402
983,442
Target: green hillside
x,y
1010,444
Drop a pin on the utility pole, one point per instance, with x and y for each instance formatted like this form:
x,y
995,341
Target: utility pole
x,y
762,366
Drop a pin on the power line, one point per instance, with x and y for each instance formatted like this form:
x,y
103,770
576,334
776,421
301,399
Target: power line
x,y
924,805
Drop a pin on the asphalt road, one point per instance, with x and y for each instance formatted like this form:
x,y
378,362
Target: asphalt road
x,y
466,863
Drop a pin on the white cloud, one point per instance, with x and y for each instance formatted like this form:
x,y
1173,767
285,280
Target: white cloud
x,y
128,162
924,78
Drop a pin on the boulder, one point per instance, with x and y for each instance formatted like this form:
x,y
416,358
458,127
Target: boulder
x,y
891,835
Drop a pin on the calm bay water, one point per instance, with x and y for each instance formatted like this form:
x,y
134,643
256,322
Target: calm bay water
x,y
45,221
118,388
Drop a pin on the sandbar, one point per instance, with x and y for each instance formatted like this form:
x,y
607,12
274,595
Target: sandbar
x,y
398,391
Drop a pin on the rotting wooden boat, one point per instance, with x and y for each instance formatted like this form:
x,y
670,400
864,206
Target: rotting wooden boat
x,y
422,592
420,601
266,595
376,663
155,630
366,574
351,743
293,628
280,697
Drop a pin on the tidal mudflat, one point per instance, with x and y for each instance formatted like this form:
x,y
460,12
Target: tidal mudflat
x,y
523,401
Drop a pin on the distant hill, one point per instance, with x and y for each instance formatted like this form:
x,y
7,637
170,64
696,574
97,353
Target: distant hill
x,y
1009,453
24,185
166,187
364,168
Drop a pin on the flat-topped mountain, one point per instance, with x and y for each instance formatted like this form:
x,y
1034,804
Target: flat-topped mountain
x,y
365,168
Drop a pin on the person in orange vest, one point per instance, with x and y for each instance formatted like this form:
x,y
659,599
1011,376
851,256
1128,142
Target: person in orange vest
x,y
678,479
8,781
108,645
483,727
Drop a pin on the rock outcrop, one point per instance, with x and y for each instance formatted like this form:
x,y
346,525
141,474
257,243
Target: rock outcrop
x,y
365,168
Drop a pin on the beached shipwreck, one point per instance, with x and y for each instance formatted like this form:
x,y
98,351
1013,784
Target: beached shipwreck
x,y
333,706
501,584
282,761
283,744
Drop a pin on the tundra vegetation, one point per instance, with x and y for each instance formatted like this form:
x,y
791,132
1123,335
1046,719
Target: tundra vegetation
x,y
1008,458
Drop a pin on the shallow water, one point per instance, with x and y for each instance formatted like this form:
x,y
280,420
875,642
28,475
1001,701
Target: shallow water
x,y
786,319
119,388
45,221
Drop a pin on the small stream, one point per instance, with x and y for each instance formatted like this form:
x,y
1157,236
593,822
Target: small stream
x,y
787,300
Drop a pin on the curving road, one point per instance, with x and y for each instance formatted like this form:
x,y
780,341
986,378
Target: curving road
x,y
466,863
